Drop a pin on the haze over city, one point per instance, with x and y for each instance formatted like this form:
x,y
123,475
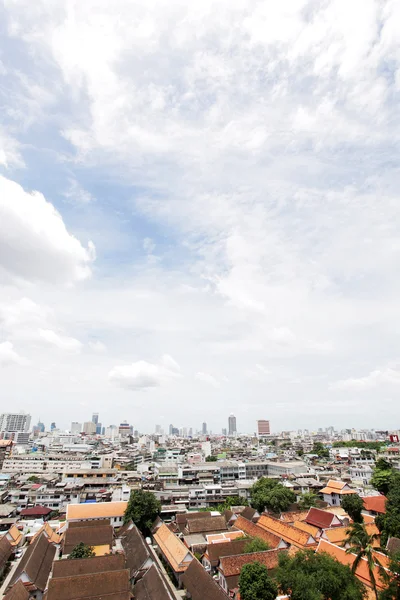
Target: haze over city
x,y
199,213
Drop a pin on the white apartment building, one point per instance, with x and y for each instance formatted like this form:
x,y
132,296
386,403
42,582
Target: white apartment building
x,y
49,463
12,422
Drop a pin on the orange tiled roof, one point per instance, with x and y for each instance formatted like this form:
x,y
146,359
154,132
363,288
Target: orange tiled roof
x,y
337,535
232,565
51,535
291,517
336,487
14,535
368,518
348,559
289,533
97,510
375,504
173,549
314,531
254,531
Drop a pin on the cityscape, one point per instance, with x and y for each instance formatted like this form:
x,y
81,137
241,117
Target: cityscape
x,y
199,300
166,510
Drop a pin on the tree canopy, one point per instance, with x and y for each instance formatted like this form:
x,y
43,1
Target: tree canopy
x,y
353,505
211,458
308,500
317,576
380,480
392,578
319,448
81,550
269,493
256,545
143,508
389,523
256,584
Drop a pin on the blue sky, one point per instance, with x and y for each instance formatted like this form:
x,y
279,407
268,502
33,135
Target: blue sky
x,y
199,212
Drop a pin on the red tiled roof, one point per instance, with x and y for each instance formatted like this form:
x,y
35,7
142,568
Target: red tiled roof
x,y
254,531
35,510
292,535
375,504
321,518
232,565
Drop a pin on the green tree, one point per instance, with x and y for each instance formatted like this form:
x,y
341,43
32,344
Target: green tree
x,y
392,578
211,458
300,452
353,505
317,576
383,465
381,479
364,546
320,449
255,583
143,508
308,500
81,550
389,523
34,479
268,493
256,545
232,501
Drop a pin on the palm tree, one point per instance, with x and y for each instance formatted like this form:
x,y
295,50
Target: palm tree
x,y
364,546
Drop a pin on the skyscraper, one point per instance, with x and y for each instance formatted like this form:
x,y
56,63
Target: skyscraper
x,y
263,428
232,425
204,429
76,427
95,418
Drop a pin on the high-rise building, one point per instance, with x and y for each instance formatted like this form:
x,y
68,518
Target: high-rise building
x,y
232,425
263,428
15,422
171,429
224,431
158,428
95,418
53,426
40,426
204,429
98,428
89,428
76,427
190,431
125,429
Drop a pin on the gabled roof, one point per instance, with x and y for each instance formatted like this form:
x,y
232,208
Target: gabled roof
x,y
96,523
393,544
135,548
250,513
5,551
173,549
322,518
291,517
36,563
90,536
216,551
206,525
337,487
304,526
108,585
362,572
51,535
17,592
337,535
84,566
232,565
292,535
375,504
254,530
200,584
14,535
153,586
97,510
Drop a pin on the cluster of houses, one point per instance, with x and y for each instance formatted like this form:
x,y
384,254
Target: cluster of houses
x,y
197,555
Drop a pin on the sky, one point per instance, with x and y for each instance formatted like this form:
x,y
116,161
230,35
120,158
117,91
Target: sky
x,y
200,212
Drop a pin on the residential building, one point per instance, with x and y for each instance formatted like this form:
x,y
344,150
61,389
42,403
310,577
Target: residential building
x,y
204,429
89,428
12,422
99,511
334,492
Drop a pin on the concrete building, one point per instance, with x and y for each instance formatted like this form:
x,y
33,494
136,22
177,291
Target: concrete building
x,y
89,428
76,427
263,428
232,425
12,422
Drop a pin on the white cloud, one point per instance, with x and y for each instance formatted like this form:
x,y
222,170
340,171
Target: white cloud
x,y
148,245
60,341
8,356
76,193
97,346
9,149
207,378
34,242
389,375
142,375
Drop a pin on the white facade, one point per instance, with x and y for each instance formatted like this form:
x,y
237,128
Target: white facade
x,y
12,422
